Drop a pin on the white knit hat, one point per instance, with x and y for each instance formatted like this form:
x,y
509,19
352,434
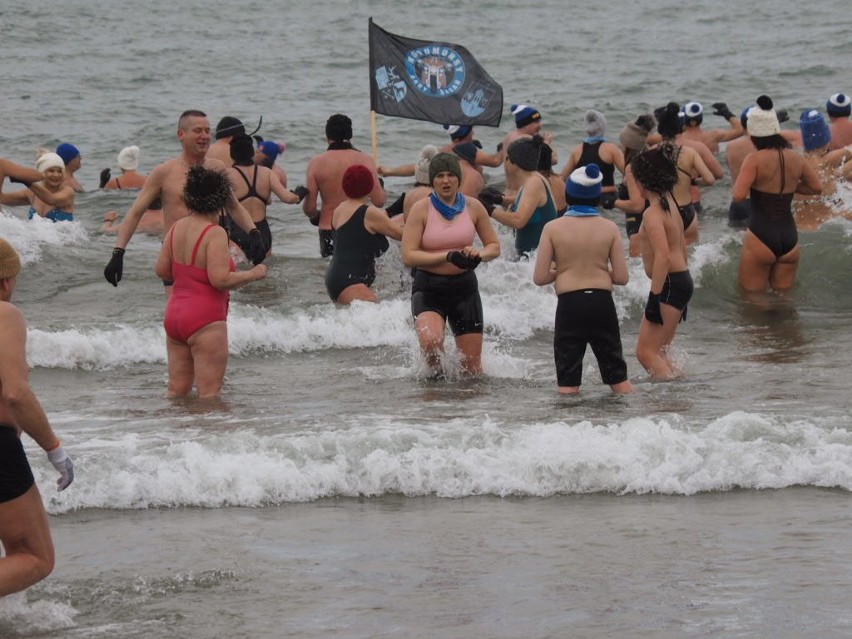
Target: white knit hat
x,y
421,170
128,158
762,120
49,160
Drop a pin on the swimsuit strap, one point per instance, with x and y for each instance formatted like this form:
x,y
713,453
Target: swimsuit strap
x,y
198,242
117,183
783,171
248,184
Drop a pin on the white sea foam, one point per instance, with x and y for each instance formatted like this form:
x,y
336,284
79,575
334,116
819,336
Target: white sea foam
x,y
374,455
29,237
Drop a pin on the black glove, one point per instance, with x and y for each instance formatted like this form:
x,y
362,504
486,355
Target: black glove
x,y
623,193
300,192
104,178
115,267
782,114
490,195
720,108
608,202
26,183
463,261
489,207
256,250
314,219
652,309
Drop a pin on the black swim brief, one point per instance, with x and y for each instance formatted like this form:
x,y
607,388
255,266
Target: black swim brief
x,y
453,297
677,289
16,477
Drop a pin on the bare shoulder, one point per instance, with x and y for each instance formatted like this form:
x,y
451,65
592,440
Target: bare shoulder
x,y
213,163
11,317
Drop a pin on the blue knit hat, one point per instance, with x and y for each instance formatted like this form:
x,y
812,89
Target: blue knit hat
x,y
815,131
270,149
839,105
524,115
584,183
458,131
67,152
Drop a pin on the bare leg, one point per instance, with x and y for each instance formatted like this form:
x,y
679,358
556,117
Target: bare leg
x,y
470,347
181,368
430,333
357,292
209,347
25,533
653,342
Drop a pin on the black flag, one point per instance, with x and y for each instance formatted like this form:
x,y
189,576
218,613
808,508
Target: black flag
x,y
438,82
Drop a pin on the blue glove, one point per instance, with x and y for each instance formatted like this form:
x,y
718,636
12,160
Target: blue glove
x,y
62,462
652,309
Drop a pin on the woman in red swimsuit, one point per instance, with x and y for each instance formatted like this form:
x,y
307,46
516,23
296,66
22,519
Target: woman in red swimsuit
x,y
195,256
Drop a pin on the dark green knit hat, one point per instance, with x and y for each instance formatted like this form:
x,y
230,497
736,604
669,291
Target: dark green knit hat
x,y
444,162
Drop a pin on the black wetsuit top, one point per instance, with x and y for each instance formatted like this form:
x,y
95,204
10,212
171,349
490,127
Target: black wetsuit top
x,y
252,187
772,217
591,155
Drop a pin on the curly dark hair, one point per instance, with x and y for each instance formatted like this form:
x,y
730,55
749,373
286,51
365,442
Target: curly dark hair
x,y
206,190
656,170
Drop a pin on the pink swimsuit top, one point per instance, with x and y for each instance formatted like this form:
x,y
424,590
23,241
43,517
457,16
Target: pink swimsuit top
x,y
442,234
194,302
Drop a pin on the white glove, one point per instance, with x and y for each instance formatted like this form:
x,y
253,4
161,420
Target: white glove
x,y
62,462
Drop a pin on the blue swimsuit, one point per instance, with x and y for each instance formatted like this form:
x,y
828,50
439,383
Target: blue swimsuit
x,y
54,215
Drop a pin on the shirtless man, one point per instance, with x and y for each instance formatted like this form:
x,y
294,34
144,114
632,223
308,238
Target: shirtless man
x,y
24,528
227,128
527,124
325,175
70,154
580,253
166,182
694,116
839,107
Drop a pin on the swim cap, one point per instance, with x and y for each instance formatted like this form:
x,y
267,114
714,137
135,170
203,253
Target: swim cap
x,y
444,162
128,158
526,152
595,123
421,169
49,160
524,115
338,128
584,183
229,126
458,131
839,105
634,135
269,149
815,131
67,152
693,112
357,181
10,263
762,121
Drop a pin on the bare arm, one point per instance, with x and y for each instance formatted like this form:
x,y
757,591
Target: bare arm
x,y
617,261
485,230
571,164
377,220
636,203
656,234
543,272
63,198
21,197
809,183
403,170
736,130
163,268
309,204
239,214
219,263
747,176
24,406
532,197
701,168
288,197
7,167
150,191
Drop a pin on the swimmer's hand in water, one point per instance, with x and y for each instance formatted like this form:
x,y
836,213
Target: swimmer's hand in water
x,y
115,267
652,309
463,261
105,175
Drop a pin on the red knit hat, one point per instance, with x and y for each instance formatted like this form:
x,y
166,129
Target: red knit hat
x,y
357,181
